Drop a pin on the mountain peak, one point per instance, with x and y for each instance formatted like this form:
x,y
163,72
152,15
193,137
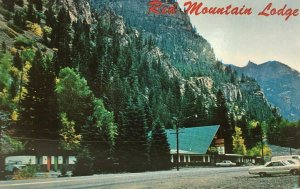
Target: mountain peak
x,y
280,84
275,63
250,63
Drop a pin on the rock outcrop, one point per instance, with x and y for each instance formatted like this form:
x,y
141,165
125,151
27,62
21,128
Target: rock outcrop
x,y
78,9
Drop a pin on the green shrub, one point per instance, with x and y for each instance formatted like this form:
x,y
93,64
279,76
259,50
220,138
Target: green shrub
x,y
63,170
7,15
22,41
27,172
84,164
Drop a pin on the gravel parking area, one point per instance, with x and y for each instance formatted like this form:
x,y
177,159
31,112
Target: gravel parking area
x,y
229,180
255,182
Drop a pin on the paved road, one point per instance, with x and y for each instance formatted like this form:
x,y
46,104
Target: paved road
x,y
185,178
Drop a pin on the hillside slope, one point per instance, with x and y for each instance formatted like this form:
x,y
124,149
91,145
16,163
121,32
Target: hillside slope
x,y
280,84
191,55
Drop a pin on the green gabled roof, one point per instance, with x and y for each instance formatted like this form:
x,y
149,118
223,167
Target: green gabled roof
x,y
194,139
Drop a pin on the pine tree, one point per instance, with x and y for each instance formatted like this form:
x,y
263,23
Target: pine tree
x,y
101,81
81,50
189,107
257,133
135,158
18,62
61,39
50,17
20,3
160,157
9,4
139,41
31,14
38,113
242,123
19,19
38,5
84,163
221,117
101,129
115,50
93,67
121,146
3,45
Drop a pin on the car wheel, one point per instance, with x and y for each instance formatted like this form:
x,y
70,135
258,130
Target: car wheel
x,y
262,174
294,172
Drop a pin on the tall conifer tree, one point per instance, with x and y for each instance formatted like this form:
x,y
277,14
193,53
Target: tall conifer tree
x,y
61,39
19,2
38,5
136,157
9,4
222,118
38,117
160,157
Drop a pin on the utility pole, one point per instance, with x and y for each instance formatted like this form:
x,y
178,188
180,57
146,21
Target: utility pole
x,y
262,149
3,123
290,143
2,163
177,145
177,138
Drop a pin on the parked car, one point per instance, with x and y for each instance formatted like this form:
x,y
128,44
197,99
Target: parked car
x,y
294,163
225,163
275,167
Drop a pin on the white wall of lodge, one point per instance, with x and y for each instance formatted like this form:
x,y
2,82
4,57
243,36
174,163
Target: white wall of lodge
x,y
20,160
72,160
211,159
183,158
43,160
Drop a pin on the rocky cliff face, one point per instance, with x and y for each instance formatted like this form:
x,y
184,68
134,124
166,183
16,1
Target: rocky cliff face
x,y
280,84
190,57
78,9
185,47
155,54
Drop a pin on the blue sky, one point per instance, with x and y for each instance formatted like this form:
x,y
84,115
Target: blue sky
x,y
238,39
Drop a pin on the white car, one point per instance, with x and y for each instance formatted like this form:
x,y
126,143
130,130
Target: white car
x,y
225,163
275,167
293,162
